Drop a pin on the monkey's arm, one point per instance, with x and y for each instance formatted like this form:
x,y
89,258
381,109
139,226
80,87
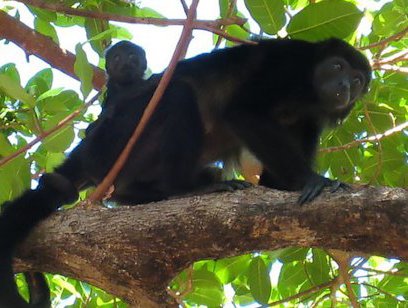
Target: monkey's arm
x,y
285,165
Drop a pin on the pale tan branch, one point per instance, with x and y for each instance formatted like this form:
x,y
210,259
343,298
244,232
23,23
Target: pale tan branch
x,y
384,42
374,138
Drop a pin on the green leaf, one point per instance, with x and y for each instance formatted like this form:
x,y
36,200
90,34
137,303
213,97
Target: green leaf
x,y
207,289
64,102
15,177
269,14
296,4
321,20
5,146
60,140
292,254
69,21
390,20
100,28
229,269
40,82
46,28
50,93
259,281
10,70
291,277
53,160
319,268
14,90
83,70
44,15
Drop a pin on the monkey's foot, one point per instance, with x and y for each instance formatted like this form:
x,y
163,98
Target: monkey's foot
x,y
315,186
230,185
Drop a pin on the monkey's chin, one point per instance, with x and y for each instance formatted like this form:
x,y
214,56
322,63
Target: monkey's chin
x,y
340,106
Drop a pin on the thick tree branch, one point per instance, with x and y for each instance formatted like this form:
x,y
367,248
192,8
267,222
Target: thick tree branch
x,y
34,43
133,252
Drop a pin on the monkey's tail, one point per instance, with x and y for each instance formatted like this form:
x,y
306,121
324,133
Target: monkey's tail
x,y
18,218
38,289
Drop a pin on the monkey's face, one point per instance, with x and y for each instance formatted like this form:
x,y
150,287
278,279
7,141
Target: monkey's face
x,y
125,65
338,85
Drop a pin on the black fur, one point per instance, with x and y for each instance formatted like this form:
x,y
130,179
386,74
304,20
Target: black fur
x,y
273,99
125,67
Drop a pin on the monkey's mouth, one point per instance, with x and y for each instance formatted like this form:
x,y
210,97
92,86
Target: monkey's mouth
x,y
342,100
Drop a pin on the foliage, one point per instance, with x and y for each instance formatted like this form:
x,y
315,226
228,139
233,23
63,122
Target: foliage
x,y
286,277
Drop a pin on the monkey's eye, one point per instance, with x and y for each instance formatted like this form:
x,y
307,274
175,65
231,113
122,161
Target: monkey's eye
x,y
337,66
116,58
132,56
357,81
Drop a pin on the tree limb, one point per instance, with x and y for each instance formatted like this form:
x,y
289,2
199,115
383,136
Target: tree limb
x,y
133,252
34,43
197,24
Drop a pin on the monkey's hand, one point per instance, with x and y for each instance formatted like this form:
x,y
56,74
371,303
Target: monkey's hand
x,y
314,186
221,186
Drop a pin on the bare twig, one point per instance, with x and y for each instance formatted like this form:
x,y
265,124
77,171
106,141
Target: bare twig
x,y
381,291
397,57
382,43
206,25
181,46
197,24
304,293
45,134
380,149
231,7
343,261
394,68
185,6
374,138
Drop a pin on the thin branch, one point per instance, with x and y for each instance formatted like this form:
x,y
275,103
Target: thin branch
x,y
380,291
185,6
343,261
197,24
379,272
45,134
231,7
382,43
228,36
120,162
380,148
374,138
397,57
394,68
206,25
304,293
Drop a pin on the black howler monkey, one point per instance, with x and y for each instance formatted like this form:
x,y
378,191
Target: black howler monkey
x,y
125,67
272,99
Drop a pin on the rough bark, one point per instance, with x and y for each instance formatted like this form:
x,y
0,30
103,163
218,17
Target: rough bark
x,y
133,252
34,43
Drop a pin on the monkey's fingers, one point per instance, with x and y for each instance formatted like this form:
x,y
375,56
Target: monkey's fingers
x,y
336,185
310,192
